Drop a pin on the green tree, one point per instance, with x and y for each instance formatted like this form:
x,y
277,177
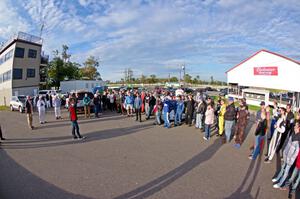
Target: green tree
x,y
89,71
153,79
173,79
65,56
187,78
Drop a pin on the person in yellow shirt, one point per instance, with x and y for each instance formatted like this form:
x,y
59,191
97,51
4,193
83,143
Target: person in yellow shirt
x,y
221,117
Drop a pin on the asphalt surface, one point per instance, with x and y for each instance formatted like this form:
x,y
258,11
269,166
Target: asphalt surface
x,y
121,158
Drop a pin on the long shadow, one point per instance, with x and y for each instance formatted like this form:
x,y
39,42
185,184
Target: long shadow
x,y
18,182
165,180
92,136
239,193
83,121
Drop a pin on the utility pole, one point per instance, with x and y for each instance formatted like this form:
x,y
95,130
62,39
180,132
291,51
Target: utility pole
x,y
183,68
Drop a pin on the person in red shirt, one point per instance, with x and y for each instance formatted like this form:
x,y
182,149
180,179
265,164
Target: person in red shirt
x,y
73,118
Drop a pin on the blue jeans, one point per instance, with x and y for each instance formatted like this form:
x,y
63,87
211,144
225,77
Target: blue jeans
x,y
258,146
75,129
296,173
157,117
207,130
283,174
177,119
166,119
228,129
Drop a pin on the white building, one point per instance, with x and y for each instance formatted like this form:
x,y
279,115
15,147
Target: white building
x,y
75,85
20,59
263,72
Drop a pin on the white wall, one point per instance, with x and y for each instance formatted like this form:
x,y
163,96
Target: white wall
x,y
287,79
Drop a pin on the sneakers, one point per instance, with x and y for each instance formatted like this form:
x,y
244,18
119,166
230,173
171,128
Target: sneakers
x,y
205,138
267,160
81,138
274,180
276,186
250,157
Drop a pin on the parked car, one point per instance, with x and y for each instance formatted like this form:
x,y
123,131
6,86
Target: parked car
x,y
18,103
223,92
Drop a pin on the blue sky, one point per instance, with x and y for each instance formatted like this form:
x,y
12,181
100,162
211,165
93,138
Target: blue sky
x,y
157,36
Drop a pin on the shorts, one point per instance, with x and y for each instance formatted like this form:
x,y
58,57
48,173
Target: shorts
x,y
129,106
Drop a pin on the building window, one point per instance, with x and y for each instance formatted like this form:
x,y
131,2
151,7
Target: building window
x,y
8,55
30,72
32,53
19,52
7,76
17,73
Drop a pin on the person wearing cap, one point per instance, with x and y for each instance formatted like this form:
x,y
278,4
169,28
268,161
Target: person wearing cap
x,y
29,111
229,117
41,105
240,125
279,130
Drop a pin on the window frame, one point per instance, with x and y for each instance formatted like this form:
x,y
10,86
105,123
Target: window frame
x,y
27,74
34,53
16,52
17,69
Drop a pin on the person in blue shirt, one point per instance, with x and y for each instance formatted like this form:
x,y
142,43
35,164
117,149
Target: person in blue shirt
x,y
179,110
129,100
166,113
138,107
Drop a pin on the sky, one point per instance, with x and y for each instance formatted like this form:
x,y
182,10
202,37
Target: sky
x,y
158,36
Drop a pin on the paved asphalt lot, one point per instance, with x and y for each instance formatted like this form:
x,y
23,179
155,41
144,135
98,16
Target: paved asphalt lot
x,y
122,158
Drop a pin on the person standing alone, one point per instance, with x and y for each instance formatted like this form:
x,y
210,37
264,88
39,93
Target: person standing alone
x,y
73,118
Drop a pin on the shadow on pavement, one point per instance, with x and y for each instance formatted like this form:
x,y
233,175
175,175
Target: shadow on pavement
x,y
67,140
18,182
63,123
165,180
246,194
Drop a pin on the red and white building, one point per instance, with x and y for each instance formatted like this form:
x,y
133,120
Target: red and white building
x,y
257,76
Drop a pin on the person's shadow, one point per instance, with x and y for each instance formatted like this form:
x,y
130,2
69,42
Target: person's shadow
x,y
67,140
246,194
165,180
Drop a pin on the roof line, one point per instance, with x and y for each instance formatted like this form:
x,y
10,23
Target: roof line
x,y
263,50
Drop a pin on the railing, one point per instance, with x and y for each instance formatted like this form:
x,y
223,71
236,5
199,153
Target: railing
x,y
22,36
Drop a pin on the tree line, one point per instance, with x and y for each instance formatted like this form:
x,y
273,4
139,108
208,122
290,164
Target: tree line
x,y
61,68
153,79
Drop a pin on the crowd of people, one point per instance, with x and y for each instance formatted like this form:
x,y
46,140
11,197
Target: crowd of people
x,y
277,128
